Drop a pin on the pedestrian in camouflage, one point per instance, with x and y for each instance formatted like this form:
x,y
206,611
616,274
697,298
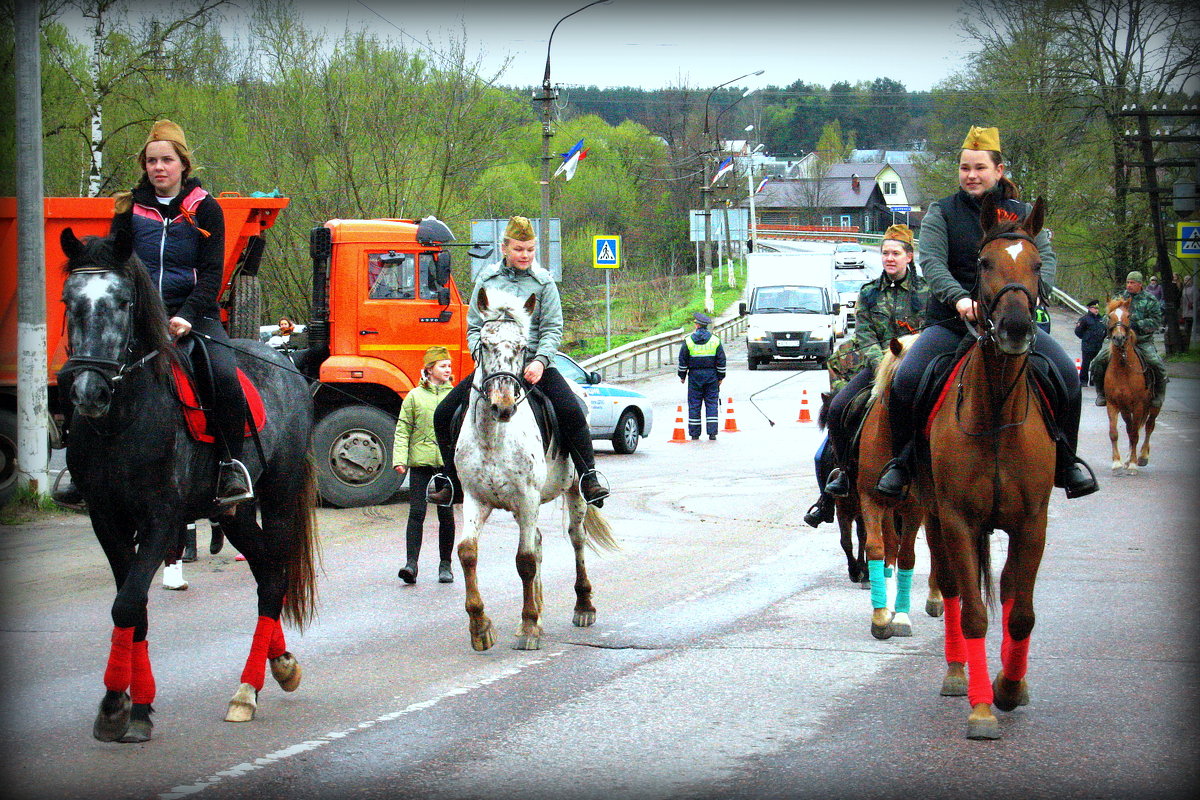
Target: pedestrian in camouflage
x,y
892,305
1145,318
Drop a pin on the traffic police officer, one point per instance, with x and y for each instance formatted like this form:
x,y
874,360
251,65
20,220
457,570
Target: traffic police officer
x,y
1145,317
702,364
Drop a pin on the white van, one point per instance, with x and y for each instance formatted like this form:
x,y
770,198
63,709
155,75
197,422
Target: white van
x,y
792,308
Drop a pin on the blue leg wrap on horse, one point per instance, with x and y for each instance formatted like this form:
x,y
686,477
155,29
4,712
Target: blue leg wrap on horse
x,y
903,590
878,584
887,571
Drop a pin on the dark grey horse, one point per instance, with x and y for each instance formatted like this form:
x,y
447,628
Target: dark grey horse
x,y
144,477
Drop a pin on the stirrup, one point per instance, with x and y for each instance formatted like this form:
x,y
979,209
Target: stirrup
x,y
1084,487
229,501
440,490
838,484
598,499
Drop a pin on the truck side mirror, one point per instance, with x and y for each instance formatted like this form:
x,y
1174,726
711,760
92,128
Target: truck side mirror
x,y
432,230
443,296
741,309
480,251
837,308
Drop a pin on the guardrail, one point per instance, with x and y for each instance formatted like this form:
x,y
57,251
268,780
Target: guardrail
x,y
661,348
1068,301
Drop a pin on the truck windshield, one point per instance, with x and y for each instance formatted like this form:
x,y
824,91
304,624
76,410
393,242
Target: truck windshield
x,y
789,300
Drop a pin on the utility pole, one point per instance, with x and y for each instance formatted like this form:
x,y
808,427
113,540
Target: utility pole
x,y
1145,141
33,454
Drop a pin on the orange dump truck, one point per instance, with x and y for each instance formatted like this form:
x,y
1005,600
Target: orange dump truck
x,y
382,294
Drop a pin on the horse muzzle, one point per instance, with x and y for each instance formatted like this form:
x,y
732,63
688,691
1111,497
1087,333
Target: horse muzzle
x,y
91,394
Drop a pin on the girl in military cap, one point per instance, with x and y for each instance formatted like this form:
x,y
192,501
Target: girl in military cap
x,y
178,233
416,452
950,237
519,274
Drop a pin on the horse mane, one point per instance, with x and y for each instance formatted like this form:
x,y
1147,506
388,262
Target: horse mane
x,y
149,313
1115,303
1001,227
892,356
502,305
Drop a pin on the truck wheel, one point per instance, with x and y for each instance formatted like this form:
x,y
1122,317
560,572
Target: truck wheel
x,y
353,449
752,362
8,455
246,312
628,433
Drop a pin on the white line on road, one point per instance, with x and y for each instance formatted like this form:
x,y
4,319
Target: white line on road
x,y
239,770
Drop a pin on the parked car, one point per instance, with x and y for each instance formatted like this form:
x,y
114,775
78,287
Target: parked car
x,y
849,255
848,283
620,415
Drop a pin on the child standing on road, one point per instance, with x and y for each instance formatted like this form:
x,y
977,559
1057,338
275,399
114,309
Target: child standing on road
x,y
416,452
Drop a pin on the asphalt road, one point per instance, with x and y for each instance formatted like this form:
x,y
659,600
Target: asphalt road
x,y
731,656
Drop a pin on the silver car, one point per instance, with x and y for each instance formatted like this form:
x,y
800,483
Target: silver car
x,y
620,415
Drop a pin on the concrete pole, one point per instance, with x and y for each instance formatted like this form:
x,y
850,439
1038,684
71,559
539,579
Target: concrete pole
x,y
33,447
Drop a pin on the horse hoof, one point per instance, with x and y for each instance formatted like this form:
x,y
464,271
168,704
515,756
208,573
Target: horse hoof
x,y
1131,469
1117,467
112,720
865,583
982,723
901,625
484,639
1143,461
243,705
528,643
934,608
584,619
882,631
955,682
1007,694
139,731
286,671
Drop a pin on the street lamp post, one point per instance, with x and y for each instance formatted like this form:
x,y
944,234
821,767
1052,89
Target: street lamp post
x,y
706,190
547,98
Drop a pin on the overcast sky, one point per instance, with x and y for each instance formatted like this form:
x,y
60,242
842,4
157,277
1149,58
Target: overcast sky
x,y
697,43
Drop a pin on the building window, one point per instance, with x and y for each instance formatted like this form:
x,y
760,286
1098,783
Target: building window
x,y
845,223
889,187
827,221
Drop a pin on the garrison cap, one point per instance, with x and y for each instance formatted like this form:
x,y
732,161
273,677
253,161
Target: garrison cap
x,y
519,228
982,139
435,354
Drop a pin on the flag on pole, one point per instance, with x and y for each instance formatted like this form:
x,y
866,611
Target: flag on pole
x,y
571,160
761,184
725,167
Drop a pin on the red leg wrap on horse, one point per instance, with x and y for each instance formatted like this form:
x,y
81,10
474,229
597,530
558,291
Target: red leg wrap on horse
x,y
278,644
256,664
141,686
979,685
1014,655
955,651
117,673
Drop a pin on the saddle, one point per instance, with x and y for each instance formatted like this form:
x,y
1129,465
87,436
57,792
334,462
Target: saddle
x,y
195,409
543,412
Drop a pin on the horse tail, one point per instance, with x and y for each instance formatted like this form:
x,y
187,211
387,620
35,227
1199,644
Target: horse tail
x,y
597,532
983,555
300,601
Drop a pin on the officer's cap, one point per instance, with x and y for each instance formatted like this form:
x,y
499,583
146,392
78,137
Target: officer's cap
x,y
701,319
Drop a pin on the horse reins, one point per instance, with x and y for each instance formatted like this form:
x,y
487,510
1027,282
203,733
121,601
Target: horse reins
x,y
111,371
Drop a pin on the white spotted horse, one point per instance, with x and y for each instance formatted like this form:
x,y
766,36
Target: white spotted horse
x,y
144,476
504,462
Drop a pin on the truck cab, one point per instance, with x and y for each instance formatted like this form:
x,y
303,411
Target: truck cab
x,y
789,321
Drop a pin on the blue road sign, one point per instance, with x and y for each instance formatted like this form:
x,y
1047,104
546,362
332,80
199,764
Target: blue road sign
x,y
1189,239
606,252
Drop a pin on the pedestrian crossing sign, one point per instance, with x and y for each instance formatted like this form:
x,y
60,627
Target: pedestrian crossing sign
x,y
606,252
1189,239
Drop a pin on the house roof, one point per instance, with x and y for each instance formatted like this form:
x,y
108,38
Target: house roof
x,y
832,193
863,170
892,157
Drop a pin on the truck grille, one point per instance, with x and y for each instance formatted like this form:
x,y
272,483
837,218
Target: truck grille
x,y
791,336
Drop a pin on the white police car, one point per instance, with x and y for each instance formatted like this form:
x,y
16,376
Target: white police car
x,y
622,416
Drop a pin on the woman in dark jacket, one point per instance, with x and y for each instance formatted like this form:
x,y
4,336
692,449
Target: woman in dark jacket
x,y
950,236
178,233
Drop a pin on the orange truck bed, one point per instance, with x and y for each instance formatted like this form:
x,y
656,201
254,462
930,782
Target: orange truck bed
x,y
91,216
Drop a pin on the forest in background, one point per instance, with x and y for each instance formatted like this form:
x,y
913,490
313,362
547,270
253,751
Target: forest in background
x,y
360,125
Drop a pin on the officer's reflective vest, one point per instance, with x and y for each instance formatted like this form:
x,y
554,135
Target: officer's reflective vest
x,y
706,350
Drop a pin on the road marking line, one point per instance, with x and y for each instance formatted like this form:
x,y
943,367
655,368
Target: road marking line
x,y
239,770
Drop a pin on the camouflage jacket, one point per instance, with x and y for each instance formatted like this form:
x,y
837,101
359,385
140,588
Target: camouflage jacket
x,y
1145,315
887,309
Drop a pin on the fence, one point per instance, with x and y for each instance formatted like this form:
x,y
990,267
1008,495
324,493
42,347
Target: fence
x,y
654,351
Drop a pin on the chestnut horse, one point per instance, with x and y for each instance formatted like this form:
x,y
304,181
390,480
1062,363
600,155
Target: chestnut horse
x,y
991,465
1127,389
891,526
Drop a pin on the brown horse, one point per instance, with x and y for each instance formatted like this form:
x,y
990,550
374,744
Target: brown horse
x,y
991,465
891,525
1127,389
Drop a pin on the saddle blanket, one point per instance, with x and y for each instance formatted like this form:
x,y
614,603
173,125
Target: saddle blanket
x,y
193,412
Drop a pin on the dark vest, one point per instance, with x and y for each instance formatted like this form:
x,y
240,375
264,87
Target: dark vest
x,y
964,233
167,241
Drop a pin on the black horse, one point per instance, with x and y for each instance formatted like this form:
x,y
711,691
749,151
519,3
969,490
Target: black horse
x,y
144,477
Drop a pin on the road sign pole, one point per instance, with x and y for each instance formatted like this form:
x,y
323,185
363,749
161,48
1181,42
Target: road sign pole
x,y
607,311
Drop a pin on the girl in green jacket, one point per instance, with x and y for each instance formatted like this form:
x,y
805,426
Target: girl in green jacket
x,y
416,452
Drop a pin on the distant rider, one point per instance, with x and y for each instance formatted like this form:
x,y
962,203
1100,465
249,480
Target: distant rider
x,y
1145,318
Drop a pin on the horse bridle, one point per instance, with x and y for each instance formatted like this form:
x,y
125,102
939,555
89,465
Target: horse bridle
x,y
481,385
111,371
987,327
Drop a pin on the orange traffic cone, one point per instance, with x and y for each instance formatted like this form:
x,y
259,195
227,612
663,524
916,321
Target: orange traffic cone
x,y
679,435
805,415
1078,364
730,421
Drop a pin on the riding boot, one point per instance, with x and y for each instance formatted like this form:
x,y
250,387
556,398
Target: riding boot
x,y
412,542
216,537
838,484
408,573
68,494
821,511
445,574
189,543
233,485
444,488
592,484
1098,382
897,473
1070,471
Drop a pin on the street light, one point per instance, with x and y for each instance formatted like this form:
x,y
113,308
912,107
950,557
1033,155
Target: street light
x,y
706,189
547,98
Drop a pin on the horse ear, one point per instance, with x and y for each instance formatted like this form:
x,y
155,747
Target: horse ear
x,y
895,346
1033,223
122,243
70,244
987,212
481,301
531,304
